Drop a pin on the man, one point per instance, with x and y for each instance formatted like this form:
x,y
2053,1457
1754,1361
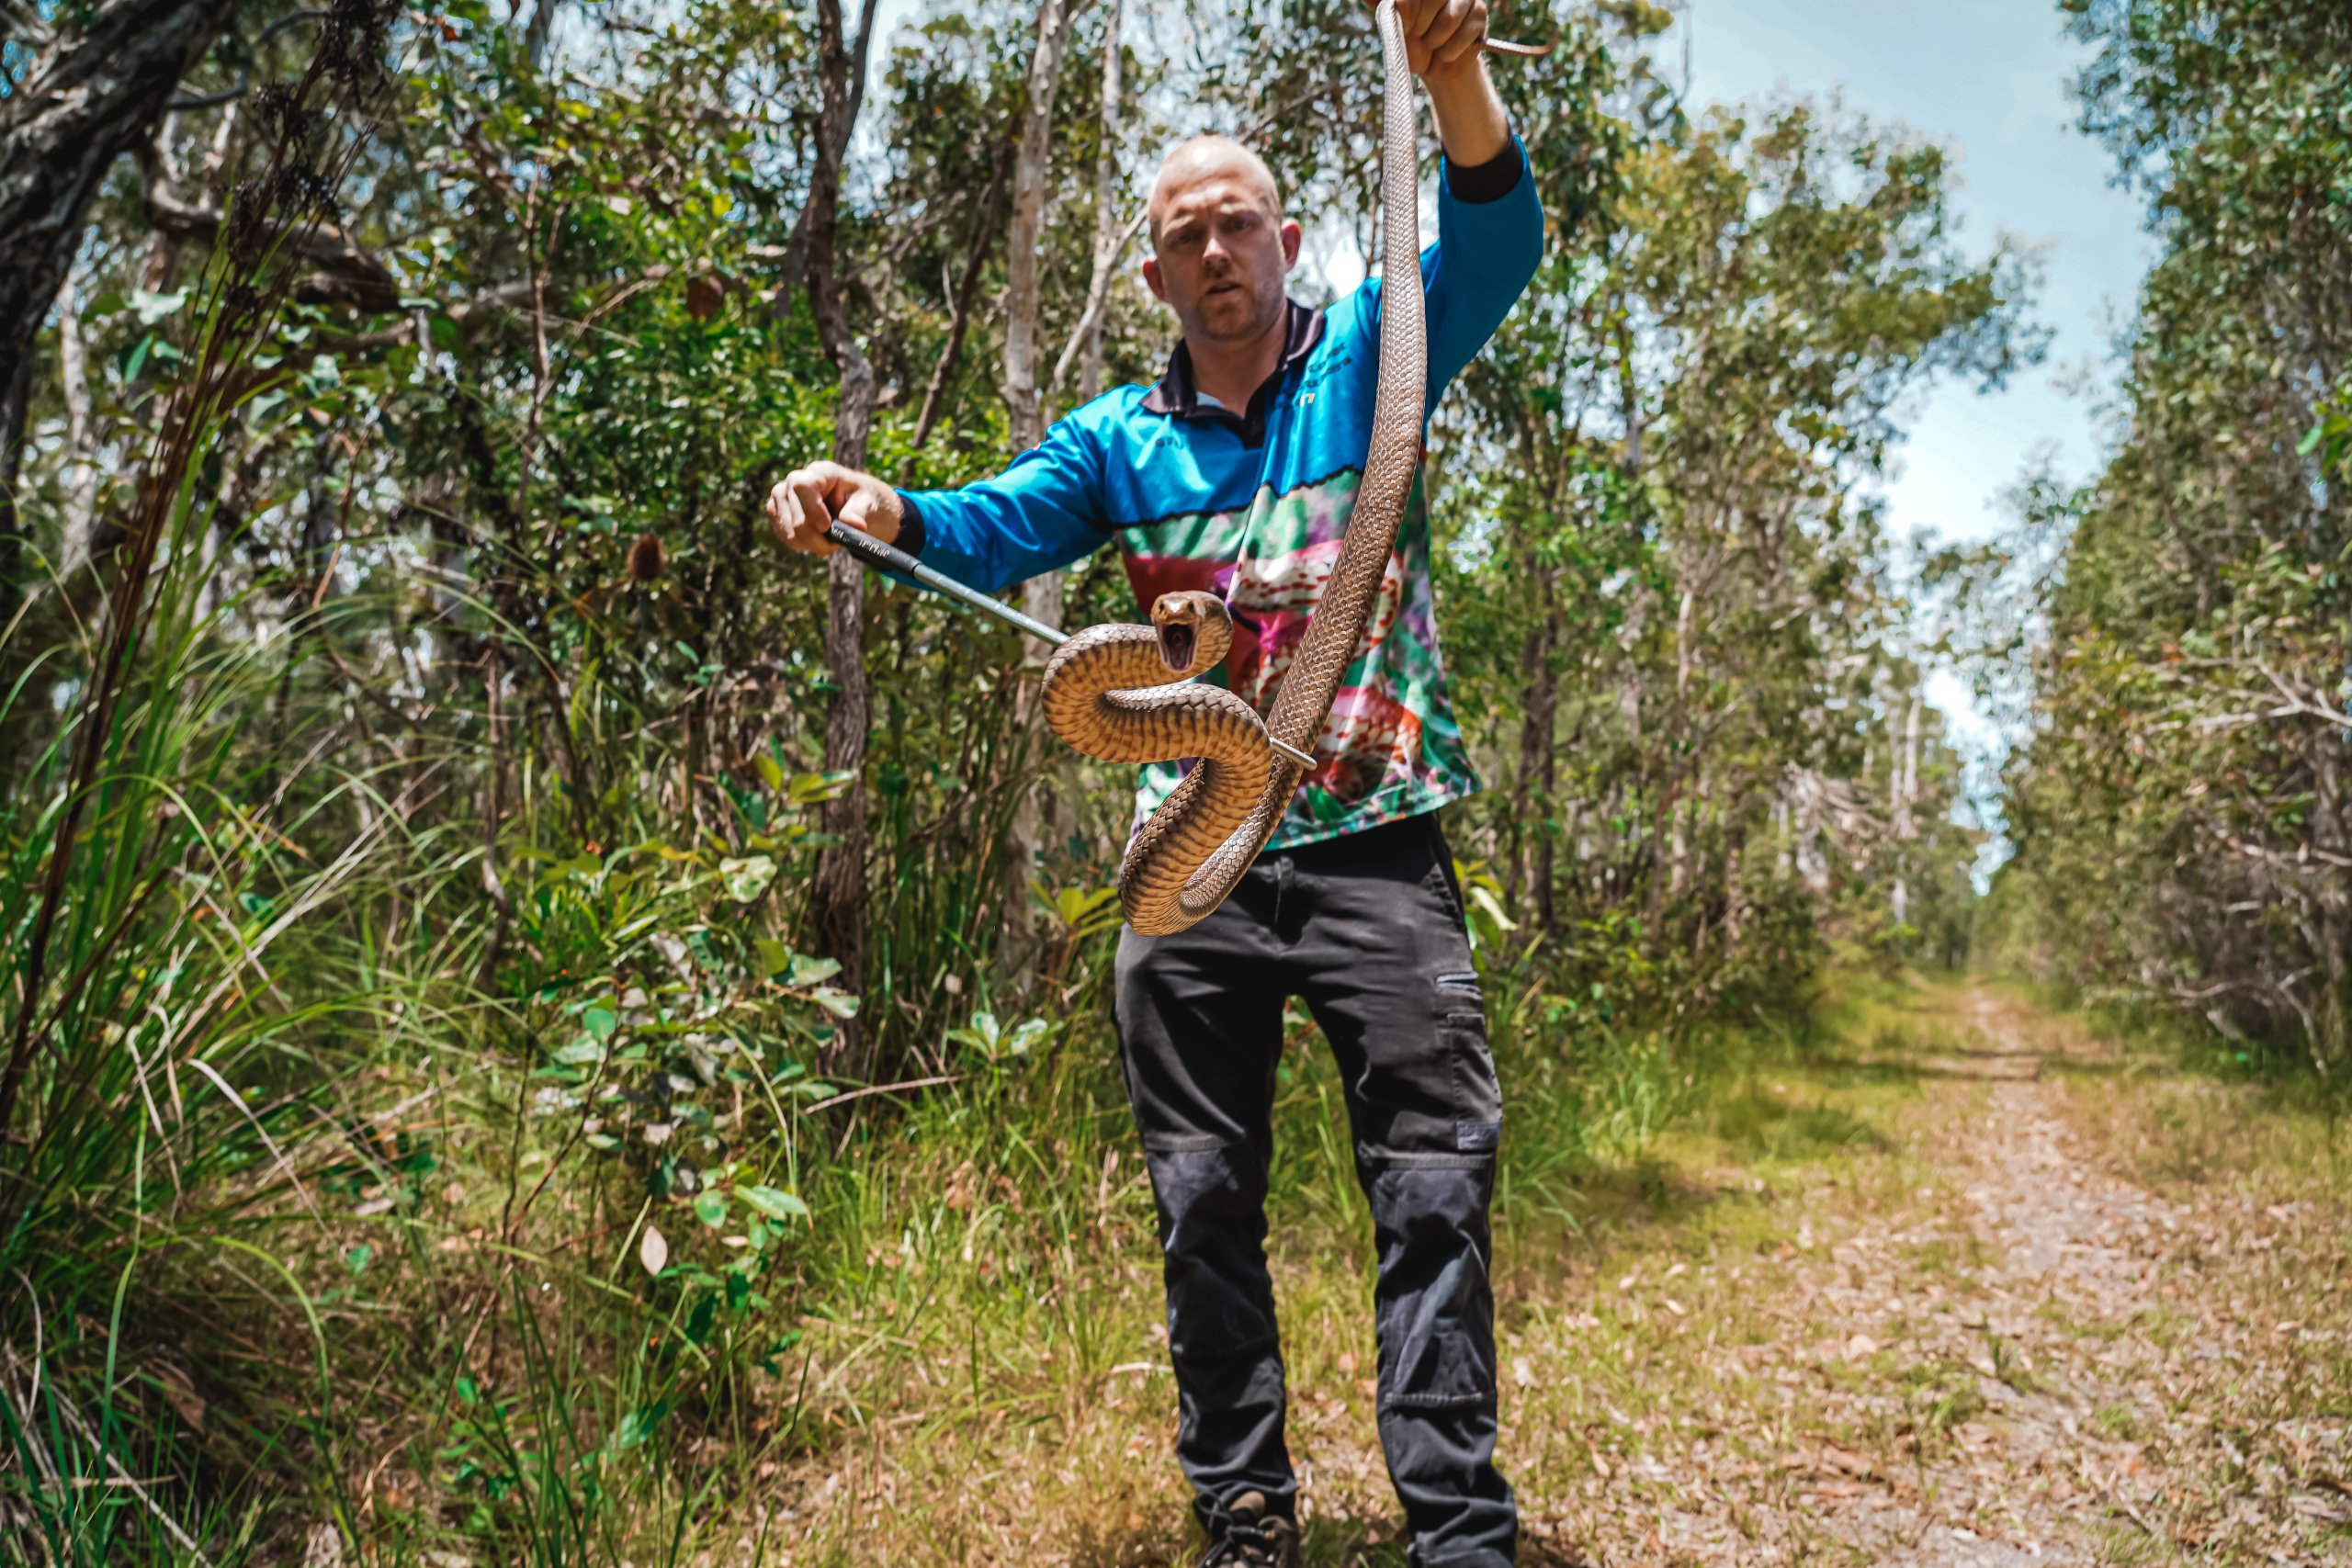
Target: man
x,y
1236,473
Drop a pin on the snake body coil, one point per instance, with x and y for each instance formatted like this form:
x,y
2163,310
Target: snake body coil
x,y
1108,691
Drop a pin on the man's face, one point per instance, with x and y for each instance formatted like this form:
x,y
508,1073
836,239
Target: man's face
x,y
1223,249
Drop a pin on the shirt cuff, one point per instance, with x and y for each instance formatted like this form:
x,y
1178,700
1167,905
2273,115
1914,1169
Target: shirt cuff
x,y
910,534
1490,181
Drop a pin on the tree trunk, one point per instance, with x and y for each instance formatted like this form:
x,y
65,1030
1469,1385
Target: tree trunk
x,y
959,306
1111,236
90,95
1905,771
839,898
1539,754
79,525
1668,870
2331,971
1107,244
16,398
1023,404
1040,817
834,125
536,34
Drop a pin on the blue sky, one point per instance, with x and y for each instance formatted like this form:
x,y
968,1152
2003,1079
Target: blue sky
x,y
1987,78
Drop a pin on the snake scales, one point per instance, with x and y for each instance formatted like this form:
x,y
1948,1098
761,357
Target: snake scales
x,y
1116,691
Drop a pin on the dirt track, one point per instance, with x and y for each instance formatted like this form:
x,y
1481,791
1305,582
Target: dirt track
x,y
2026,1357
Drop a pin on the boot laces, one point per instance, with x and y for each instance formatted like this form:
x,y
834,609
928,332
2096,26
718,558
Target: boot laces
x,y
1250,1536
1241,1544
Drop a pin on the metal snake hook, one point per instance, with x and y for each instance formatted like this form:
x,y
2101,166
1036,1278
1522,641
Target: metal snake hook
x,y
871,552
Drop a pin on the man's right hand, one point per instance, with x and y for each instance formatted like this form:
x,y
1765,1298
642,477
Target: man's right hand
x,y
809,499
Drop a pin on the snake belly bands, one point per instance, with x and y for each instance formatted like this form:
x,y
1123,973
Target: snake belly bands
x,y
1111,692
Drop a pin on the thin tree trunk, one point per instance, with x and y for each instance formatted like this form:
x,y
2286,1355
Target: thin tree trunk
x,y
1111,236
1023,404
2332,978
839,899
1539,752
830,151
16,398
1905,784
81,472
536,34
959,306
1040,817
1667,869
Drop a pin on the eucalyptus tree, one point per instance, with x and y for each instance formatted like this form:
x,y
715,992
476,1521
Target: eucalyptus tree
x,y
2182,816
1683,426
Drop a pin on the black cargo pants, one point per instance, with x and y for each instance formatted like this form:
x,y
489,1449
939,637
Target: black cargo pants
x,y
1367,928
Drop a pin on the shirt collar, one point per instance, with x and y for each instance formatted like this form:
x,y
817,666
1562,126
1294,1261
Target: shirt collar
x,y
1177,395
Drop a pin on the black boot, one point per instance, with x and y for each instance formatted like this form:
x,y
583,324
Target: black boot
x,y
1246,1533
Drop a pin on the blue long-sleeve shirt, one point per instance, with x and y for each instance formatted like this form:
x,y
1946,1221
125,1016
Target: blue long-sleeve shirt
x,y
1252,503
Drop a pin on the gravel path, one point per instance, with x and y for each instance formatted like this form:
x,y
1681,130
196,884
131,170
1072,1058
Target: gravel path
x,y
2032,1359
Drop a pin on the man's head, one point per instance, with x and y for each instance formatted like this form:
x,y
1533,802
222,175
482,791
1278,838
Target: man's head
x,y
1220,244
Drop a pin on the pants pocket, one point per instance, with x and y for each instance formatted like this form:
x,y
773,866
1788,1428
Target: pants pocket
x,y
1435,1307
1477,1093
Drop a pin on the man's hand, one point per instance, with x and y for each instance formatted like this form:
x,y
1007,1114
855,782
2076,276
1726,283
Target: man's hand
x,y
809,499
1443,37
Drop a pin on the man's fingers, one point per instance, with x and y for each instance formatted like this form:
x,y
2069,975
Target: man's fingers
x,y
784,516
1468,32
1456,32
805,503
809,497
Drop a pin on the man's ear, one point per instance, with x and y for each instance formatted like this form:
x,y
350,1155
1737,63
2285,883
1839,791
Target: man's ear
x,y
1291,233
1153,281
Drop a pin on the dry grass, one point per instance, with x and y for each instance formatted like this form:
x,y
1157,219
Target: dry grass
x,y
1958,1285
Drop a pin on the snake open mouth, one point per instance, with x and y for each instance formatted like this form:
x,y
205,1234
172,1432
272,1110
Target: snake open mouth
x,y
1176,643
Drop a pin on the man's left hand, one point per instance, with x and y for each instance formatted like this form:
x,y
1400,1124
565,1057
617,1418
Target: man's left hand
x,y
1442,38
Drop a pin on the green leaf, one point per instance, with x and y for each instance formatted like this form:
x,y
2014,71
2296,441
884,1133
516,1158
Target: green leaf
x,y
1484,897
808,789
808,970
840,1003
710,1208
774,1203
153,307
638,1425
775,957
600,1023
746,879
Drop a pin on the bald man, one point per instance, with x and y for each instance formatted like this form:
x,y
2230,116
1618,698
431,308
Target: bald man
x,y
1236,473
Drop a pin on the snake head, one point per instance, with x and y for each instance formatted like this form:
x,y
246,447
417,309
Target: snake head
x,y
1193,629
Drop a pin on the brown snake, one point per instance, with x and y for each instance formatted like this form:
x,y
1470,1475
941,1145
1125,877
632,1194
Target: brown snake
x,y
1111,692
